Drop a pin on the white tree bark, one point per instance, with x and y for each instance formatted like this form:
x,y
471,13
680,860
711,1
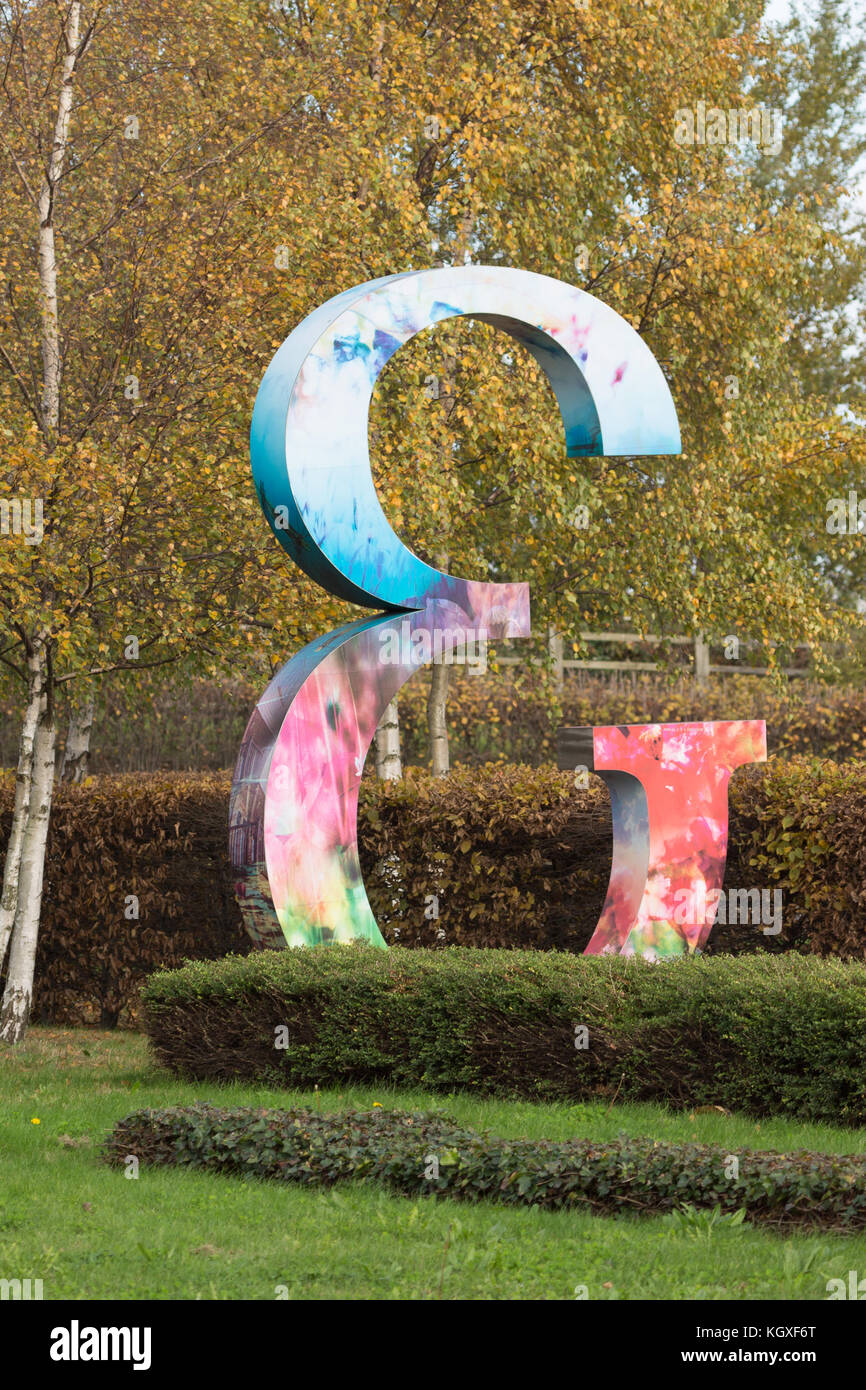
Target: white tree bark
x,y
51,363
76,753
389,767
554,647
18,994
702,660
437,726
23,781
25,888
437,723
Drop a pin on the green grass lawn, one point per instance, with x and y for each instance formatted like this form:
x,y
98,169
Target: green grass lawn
x,y
89,1232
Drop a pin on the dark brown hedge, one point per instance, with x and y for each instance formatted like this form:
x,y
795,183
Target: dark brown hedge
x,y
160,837
499,856
493,856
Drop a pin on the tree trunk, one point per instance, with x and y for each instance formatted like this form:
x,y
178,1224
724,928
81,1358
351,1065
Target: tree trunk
x,y
388,764
554,647
51,361
22,882
23,780
437,727
702,660
17,997
437,724
73,765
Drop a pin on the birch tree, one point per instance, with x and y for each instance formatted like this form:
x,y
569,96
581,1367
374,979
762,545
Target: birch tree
x,y
389,767
76,750
23,870
137,213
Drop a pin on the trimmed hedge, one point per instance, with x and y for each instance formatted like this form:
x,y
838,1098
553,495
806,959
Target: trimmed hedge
x,y
801,826
765,1035
397,1148
513,856
160,838
516,856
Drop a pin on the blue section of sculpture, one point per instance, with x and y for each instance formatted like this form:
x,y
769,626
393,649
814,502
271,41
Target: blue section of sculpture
x,y
309,432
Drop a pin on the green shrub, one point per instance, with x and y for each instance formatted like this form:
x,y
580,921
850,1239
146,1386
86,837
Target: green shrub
x,y
417,1153
766,1035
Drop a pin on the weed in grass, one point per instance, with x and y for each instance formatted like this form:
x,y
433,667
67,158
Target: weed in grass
x,y
693,1221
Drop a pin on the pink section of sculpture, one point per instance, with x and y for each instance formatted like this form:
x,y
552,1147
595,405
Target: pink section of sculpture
x,y
669,788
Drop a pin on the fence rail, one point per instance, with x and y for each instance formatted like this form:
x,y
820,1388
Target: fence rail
x,y
703,668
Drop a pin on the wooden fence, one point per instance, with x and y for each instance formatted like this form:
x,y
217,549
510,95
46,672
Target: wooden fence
x,y
703,667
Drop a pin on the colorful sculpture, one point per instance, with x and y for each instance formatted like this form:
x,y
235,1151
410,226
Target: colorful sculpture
x,y
293,833
668,787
